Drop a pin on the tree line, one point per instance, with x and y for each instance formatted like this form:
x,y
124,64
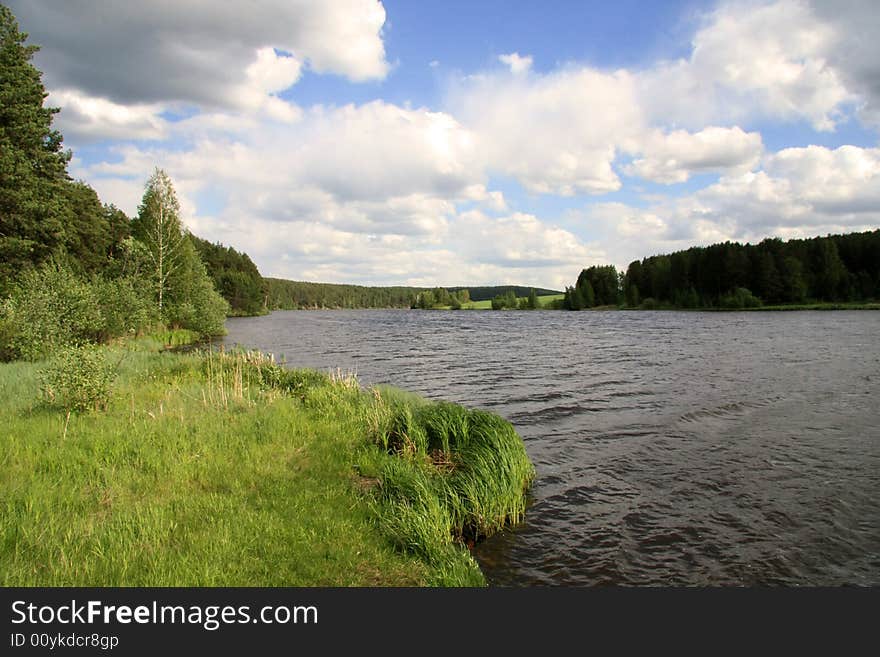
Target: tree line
x,y
831,269
283,294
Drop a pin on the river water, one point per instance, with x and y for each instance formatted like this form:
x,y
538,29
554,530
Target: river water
x,y
684,449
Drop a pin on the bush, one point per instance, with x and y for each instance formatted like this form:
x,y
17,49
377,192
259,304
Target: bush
x,y
124,307
740,298
78,379
50,307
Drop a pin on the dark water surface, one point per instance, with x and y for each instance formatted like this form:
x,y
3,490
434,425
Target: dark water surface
x,y
671,448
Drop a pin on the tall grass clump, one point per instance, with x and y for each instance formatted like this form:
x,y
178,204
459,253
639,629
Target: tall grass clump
x,y
458,475
414,514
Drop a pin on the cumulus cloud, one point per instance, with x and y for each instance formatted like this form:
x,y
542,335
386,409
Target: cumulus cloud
x,y
856,49
673,157
562,132
557,133
87,118
752,59
844,181
374,169
379,150
200,52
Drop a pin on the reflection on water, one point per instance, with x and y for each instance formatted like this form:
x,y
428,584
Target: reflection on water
x,y
671,448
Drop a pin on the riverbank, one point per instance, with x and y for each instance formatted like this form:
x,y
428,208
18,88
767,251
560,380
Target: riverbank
x,y
207,469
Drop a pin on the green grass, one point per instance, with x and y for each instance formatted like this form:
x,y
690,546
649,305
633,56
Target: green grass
x,y
543,300
226,470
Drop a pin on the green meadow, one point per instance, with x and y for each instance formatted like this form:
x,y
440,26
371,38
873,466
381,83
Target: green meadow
x,y
224,469
544,300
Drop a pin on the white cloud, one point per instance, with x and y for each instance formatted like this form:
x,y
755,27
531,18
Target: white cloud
x,y
373,169
200,51
752,58
844,181
380,150
517,64
556,133
560,133
517,241
673,157
86,118
855,54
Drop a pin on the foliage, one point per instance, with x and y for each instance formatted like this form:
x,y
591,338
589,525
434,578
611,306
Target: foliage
x,y
599,286
126,308
292,295
440,297
532,303
235,276
158,227
738,299
185,296
835,268
51,307
507,300
191,301
78,379
32,165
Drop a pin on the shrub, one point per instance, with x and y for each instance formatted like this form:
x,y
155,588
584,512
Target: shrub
x,y
78,379
125,308
50,307
739,298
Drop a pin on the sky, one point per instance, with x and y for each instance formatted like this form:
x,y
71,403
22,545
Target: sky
x,y
467,142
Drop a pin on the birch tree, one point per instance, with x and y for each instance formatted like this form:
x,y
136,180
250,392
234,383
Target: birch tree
x,y
158,227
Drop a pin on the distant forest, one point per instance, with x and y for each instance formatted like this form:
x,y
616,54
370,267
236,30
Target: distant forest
x,y
293,295
486,293
283,294
831,269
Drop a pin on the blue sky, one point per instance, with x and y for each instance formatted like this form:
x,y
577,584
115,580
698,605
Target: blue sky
x,y
473,142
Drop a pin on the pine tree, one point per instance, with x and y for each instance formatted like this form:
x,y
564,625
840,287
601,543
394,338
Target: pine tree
x,y
33,168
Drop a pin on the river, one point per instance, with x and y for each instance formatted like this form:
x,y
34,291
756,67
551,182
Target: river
x,y
675,449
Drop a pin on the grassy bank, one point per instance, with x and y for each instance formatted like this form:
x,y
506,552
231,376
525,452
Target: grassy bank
x,y
225,469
